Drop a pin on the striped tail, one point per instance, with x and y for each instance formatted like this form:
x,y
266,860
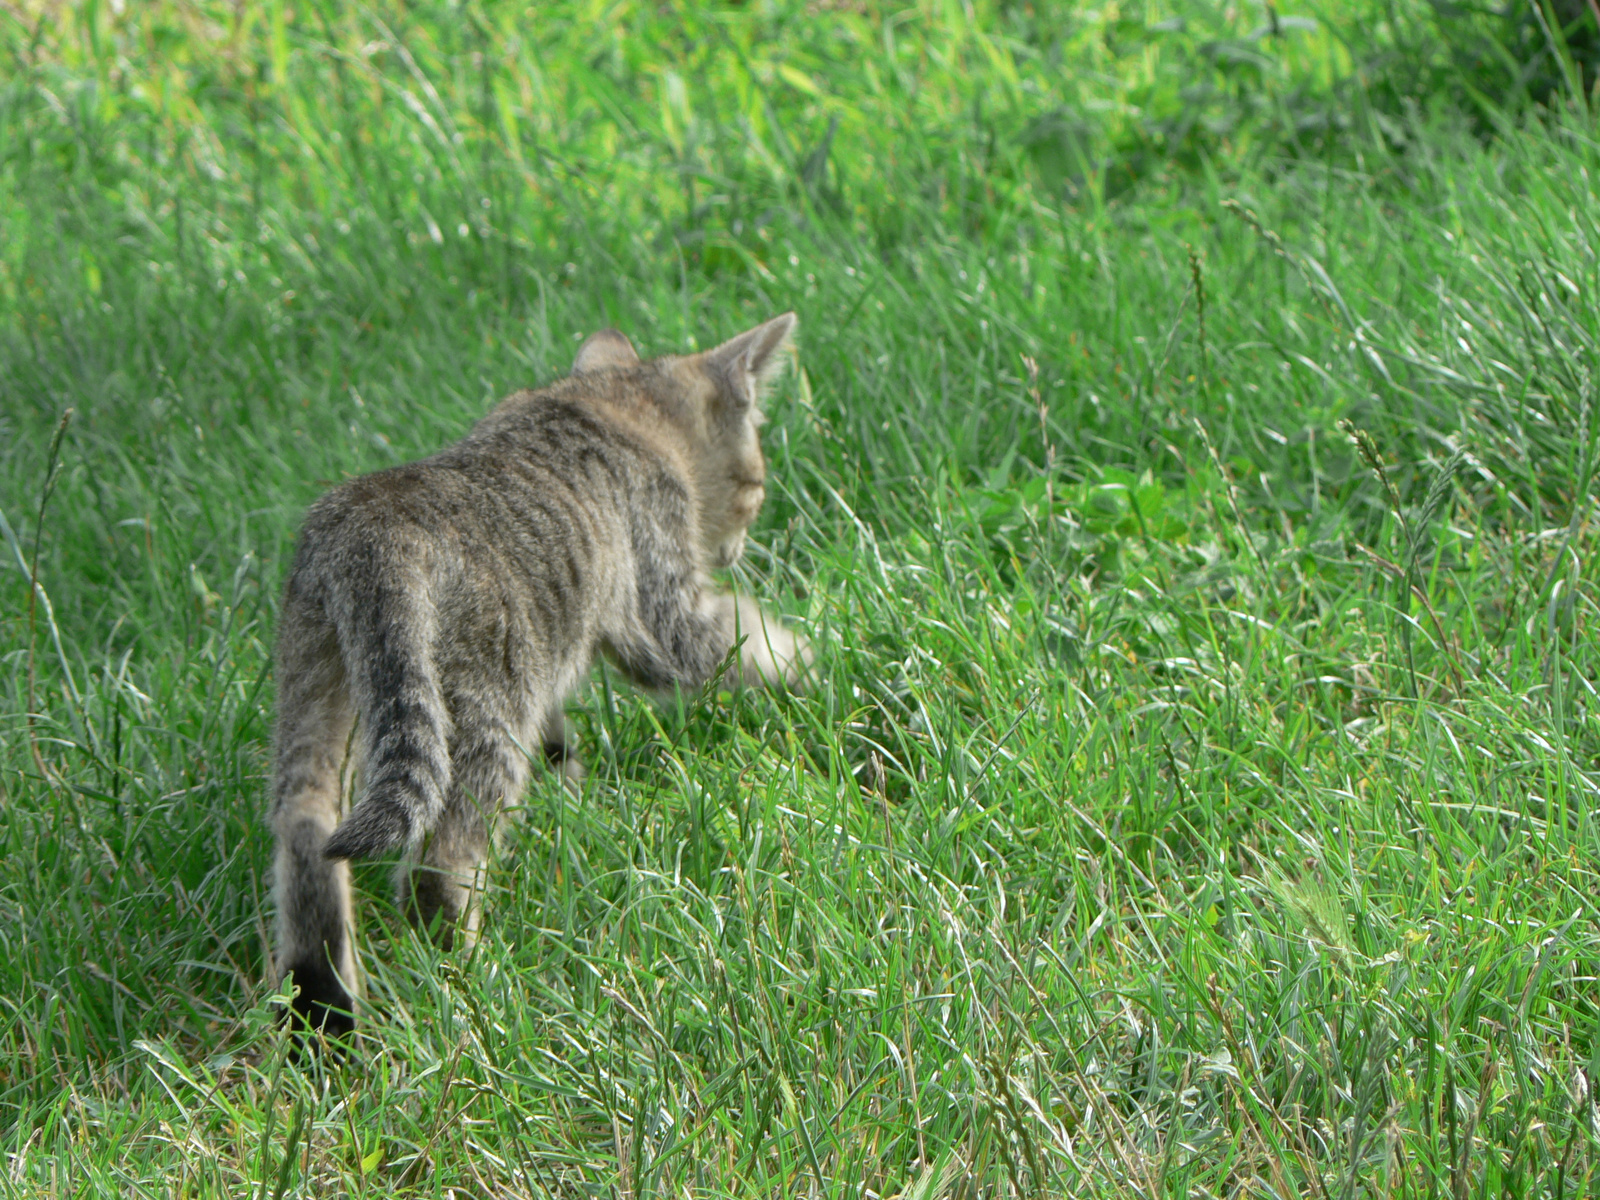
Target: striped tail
x,y
386,635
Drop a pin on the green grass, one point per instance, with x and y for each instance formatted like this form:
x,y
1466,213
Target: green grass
x,y
1196,801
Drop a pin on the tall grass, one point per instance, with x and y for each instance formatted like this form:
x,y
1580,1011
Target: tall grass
x,y
1188,476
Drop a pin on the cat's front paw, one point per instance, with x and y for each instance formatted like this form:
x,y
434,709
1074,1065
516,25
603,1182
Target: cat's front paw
x,y
772,655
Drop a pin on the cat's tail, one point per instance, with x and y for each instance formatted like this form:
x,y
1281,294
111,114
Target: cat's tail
x,y
387,635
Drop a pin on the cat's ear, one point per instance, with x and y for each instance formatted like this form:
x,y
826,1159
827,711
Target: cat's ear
x,y
608,348
750,362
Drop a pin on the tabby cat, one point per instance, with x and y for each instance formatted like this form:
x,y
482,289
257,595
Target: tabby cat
x,y
438,614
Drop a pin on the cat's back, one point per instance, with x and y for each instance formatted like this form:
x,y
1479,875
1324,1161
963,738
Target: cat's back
x,y
540,489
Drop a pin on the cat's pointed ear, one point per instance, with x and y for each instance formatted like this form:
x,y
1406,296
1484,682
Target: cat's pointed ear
x,y
751,361
608,348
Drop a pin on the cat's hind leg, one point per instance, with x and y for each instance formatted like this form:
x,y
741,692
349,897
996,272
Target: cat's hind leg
x,y
441,890
315,927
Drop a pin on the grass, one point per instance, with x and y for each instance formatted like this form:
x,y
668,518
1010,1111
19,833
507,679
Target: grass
x,y
1188,477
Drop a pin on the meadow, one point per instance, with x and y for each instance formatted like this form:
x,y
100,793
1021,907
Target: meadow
x,y
1187,475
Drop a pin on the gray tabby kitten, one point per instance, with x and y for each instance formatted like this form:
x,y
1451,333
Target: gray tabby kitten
x,y
439,613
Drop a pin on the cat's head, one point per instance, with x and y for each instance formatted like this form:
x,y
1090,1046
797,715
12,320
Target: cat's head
x,y
714,399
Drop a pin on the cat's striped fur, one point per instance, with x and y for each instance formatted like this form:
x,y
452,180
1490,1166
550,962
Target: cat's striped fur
x,y
437,615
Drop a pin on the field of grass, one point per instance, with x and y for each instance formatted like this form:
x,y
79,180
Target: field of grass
x,y
1187,476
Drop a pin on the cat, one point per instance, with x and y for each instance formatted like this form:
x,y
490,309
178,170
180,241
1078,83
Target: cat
x,y
437,615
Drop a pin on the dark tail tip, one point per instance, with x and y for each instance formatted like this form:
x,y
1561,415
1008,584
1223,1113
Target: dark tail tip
x,y
372,828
